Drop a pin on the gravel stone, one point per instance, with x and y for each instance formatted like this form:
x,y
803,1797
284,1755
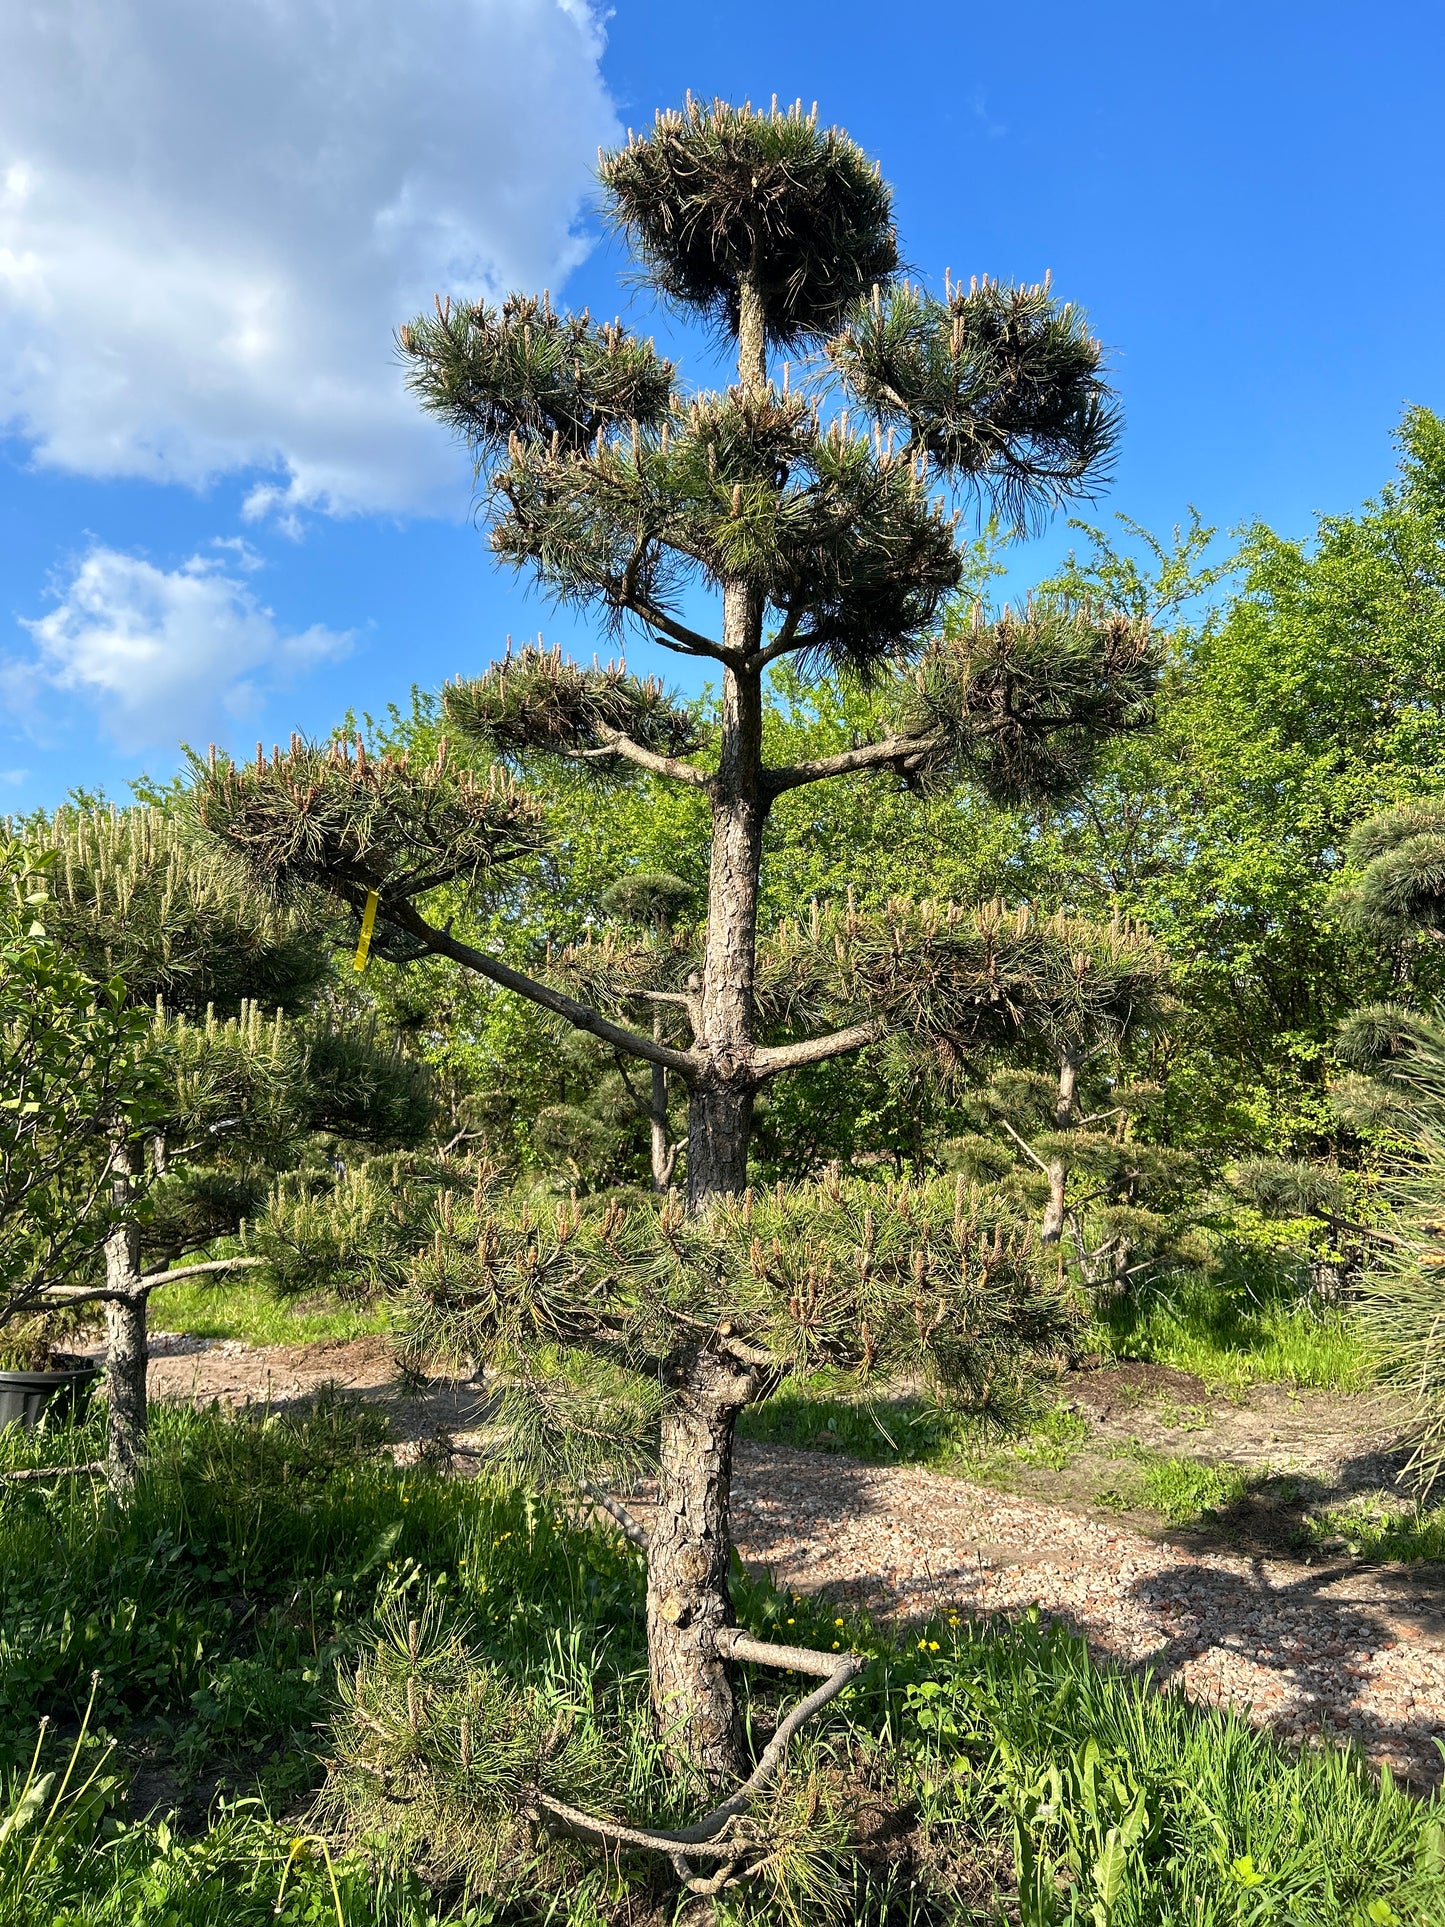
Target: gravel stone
x,y
1294,1647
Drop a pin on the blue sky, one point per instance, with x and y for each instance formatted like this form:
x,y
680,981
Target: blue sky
x,y
219,516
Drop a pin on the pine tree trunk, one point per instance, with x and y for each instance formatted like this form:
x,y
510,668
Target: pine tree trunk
x,y
1052,1227
688,1600
127,1350
691,1543
720,1109
719,1124
127,1358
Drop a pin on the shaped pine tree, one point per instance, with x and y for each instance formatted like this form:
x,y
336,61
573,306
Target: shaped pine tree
x,y
815,518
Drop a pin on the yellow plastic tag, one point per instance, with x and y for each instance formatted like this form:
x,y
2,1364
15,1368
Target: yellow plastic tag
x,y
368,921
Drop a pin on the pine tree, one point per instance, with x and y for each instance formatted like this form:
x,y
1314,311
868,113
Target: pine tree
x,y
1059,1121
139,900
813,512
1396,898
74,1066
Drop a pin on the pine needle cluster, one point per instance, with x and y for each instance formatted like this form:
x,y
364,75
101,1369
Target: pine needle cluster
x,y
962,980
137,894
993,383
1402,885
523,372
536,699
584,1304
310,817
1024,705
449,1759
718,192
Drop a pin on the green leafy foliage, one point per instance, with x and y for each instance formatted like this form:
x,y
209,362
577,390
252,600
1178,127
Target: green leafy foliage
x,y
77,1068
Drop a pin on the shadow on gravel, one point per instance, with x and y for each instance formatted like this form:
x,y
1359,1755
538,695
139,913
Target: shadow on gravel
x,y
1272,1517
1316,1629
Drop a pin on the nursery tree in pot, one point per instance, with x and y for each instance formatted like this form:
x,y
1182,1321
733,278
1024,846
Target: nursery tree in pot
x,y
809,514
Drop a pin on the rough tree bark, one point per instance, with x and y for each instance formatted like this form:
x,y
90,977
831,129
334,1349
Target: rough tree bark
x,y
127,1350
688,1598
1052,1228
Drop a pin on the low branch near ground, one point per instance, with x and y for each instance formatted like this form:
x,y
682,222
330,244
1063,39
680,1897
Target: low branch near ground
x,y
61,1295
54,1471
708,1836
629,1527
194,1271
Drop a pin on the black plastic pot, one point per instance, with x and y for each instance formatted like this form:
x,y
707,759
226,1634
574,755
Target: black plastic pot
x,y
27,1396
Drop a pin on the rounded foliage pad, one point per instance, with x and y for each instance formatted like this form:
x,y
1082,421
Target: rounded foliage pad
x,y
716,193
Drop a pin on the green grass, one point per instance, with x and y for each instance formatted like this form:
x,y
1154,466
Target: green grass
x,y
913,1430
217,1612
259,1317
1181,1491
1379,1529
1237,1333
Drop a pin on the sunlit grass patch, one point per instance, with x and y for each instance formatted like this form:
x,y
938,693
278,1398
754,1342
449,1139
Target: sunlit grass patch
x,y
1182,1491
226,1607
1232,1337
1381,1528
259,1317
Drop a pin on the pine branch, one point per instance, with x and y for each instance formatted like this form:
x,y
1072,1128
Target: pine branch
x,y
900,753
631,1530
717,195
773,1059
522,371
1027,1149
150,1282
671,633
348,824
441,943
29,1472
97,1294
648,759
1024,705
703,1835
785,643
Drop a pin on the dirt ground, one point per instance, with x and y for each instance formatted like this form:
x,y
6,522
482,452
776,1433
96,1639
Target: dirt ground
x,y
1304,1639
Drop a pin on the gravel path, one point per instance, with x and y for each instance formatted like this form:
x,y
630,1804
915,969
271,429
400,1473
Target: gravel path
x,y
1336,1649
1332,1648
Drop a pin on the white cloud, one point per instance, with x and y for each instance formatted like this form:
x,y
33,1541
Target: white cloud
x,y
163,653
213,217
